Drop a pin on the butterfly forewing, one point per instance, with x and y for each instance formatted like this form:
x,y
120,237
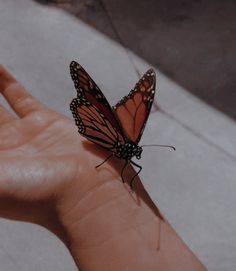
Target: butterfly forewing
x,y
133,110
92,112
89,90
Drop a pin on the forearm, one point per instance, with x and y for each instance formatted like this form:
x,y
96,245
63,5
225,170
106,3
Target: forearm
x,y
111,228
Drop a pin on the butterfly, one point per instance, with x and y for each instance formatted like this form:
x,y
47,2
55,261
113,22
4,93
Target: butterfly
x,y
117,129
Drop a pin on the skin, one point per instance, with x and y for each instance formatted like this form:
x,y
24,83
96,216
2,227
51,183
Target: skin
x,y
48,177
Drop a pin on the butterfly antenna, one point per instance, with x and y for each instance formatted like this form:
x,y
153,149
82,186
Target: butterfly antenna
x,y
137,173
104,161
166,146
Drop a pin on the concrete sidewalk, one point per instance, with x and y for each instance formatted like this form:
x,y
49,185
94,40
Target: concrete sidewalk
x,y
194,186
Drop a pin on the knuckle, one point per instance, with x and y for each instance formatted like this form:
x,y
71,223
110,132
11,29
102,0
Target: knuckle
x,y
23,101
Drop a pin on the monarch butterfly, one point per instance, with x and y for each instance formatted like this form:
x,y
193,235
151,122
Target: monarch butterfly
x,y
118,128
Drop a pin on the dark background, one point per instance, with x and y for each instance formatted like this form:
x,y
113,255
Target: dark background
x,y
192,42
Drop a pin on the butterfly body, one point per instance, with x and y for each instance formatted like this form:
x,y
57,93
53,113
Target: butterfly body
x,y
118,128
128,150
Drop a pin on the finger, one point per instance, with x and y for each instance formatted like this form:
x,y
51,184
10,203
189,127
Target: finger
x,y
18,98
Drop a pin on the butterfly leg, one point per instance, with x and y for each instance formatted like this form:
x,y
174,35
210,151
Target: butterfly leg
x,y
122,171
104,161
137,173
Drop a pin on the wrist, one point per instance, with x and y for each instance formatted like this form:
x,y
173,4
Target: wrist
x,y
111,227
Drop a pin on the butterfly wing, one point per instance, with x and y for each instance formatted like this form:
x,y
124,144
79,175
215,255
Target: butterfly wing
x,y
92,112
88,89
133,110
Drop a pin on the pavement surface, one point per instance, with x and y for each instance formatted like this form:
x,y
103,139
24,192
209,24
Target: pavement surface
x,y
194,186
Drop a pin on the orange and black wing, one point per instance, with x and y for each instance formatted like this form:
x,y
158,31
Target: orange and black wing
x,y
92,113
133,110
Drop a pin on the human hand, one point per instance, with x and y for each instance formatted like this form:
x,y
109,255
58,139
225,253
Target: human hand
x,y
48,177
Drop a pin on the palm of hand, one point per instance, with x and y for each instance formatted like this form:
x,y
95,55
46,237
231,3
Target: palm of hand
x,y
38,142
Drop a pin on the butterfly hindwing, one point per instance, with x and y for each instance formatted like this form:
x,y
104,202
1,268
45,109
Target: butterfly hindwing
x,y
133,110
94,125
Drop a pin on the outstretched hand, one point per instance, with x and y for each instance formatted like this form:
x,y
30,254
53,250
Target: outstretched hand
x,y
48,177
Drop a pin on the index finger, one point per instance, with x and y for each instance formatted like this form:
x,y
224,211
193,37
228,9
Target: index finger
x,y
17,97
